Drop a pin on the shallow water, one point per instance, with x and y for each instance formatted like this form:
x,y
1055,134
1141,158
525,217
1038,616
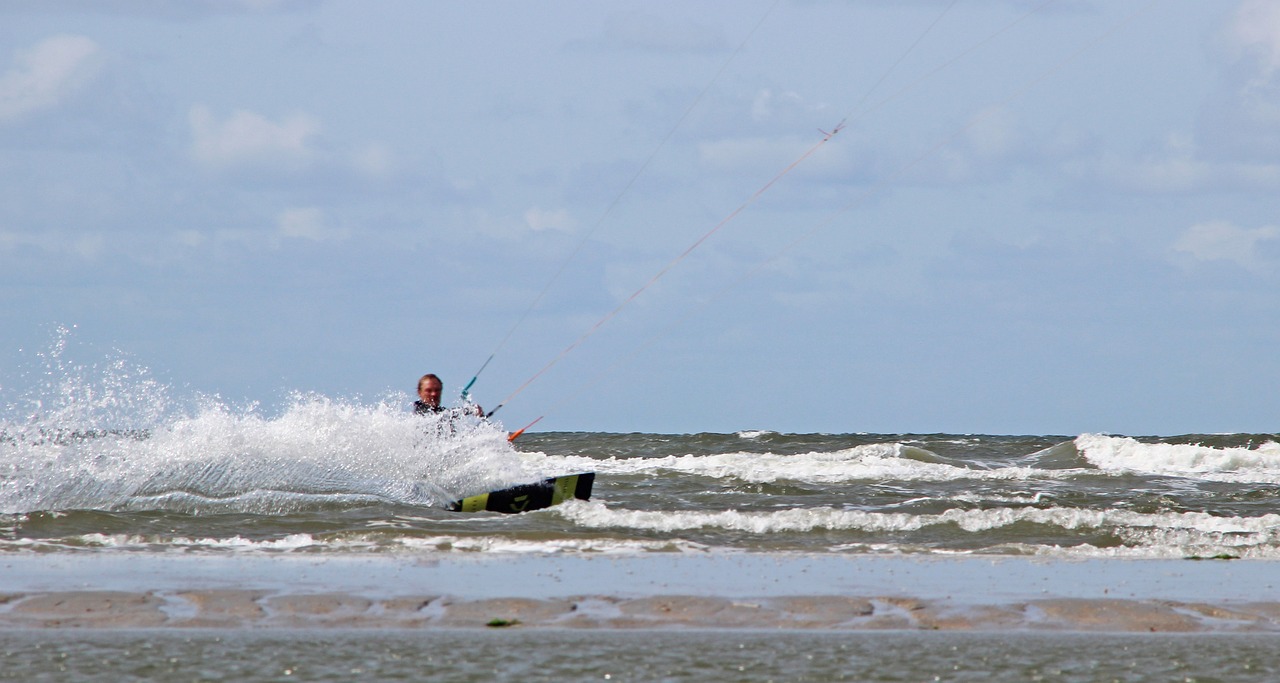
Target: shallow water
x,y
631,656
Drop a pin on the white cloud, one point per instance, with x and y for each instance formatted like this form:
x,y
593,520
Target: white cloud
x,y
539,219
1178,166
190,238
994,134
373,159
247,138
1222,241
13,240
754,153
1254,33
47,75
643,31
988,148
307,223
83,245
160,9
766,104
1174,167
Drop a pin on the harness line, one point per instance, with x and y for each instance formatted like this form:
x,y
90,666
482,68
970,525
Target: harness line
x,y
826,136
1018,93
665,269
618,199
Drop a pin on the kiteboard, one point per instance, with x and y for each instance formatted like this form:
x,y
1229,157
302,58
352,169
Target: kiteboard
x,y
526,497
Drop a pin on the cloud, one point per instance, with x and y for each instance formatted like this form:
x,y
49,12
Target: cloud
x,y
1222,241
994,134
766,104
539,219
298,223
47,75
374,159
990,147
82,245
763,155
159,9
250,139
1242,121
735,153
307,223
1253,34
1178,166
1174,166
649,32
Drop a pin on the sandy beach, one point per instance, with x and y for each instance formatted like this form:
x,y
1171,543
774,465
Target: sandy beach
x,y
729,591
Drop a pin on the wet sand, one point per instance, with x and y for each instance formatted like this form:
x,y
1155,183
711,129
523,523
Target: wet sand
x,y
659,591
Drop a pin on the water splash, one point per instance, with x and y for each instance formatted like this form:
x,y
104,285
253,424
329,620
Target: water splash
x,y
63,396
107,436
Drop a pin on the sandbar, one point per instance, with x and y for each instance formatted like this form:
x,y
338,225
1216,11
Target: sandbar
x,y
635,591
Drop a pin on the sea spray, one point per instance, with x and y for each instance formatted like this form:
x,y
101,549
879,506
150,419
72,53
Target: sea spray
x,y
318,451
107,436
59,396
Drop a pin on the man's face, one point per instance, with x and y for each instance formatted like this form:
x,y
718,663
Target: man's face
x,y
429,392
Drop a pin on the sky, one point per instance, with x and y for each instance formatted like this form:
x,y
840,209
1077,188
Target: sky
x,y
1048,218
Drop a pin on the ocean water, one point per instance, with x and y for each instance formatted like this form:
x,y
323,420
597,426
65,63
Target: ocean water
x,y
329,476
100,459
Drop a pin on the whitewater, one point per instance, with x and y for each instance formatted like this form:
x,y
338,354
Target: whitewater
x,y
102,457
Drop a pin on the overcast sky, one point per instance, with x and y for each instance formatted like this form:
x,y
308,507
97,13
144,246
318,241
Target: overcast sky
x,y
1054,221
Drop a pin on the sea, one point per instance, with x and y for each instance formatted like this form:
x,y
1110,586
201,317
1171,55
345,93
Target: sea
x,y
102,460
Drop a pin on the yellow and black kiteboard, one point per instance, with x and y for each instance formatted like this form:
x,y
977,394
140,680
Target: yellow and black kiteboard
x,y
526,497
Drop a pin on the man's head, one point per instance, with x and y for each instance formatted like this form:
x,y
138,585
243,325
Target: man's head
x,y
429,389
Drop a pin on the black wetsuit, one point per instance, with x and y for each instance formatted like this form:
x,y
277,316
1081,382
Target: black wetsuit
x,y
424,408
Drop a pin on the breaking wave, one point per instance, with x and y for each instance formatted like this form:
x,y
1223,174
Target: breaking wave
x,y
1245,464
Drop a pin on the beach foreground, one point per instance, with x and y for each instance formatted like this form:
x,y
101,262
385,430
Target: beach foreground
x,y
660,591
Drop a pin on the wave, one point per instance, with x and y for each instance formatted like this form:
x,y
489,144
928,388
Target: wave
x,y
871,462
596,514
1242,464
347,543
1161,534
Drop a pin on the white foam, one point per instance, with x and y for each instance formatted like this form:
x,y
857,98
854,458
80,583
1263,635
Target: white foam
x,y
1260,464
595,514
872,462
356,543
510,545
1158,551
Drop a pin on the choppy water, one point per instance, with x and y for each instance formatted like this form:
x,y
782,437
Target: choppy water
x,y
101,457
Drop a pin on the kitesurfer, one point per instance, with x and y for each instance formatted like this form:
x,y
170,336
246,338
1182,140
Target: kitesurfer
x,y
429,390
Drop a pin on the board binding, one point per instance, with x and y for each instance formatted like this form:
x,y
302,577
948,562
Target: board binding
x,y
528,497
